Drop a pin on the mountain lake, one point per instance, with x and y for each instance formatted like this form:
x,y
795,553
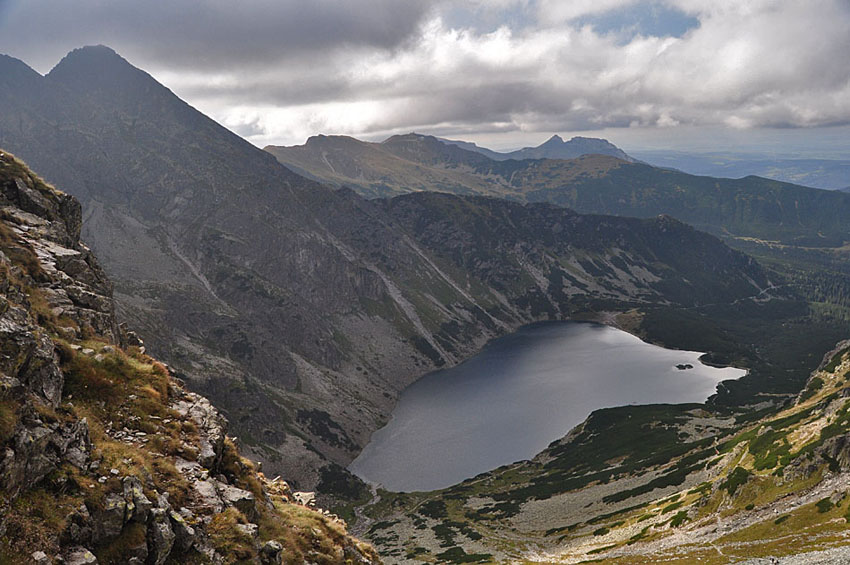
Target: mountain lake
x,y
520,393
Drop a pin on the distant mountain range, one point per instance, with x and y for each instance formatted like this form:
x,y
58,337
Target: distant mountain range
x,y
414,162
604,184
554,148
829,174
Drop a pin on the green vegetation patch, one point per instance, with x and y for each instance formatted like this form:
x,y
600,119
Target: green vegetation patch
x,y
768,448
434,509
638,536
815,384
601,549
835,361
824,505
736,478
458,555
679,519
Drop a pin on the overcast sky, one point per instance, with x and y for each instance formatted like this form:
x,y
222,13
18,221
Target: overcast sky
x,y
505,73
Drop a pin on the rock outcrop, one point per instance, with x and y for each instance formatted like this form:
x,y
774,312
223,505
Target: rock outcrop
x,y
104,456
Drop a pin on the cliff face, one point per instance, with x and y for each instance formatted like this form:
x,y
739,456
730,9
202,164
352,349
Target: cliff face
x,y
104,456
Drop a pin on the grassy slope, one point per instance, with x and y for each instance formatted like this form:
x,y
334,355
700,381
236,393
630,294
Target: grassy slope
x,y
371,169
414,163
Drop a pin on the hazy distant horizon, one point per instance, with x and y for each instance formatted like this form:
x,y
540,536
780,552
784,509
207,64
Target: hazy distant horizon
x,y
820,143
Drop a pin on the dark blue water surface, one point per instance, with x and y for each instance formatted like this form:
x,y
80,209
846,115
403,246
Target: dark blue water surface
x,y
522,392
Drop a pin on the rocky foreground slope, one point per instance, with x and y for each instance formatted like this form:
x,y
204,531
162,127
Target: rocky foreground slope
x,y
104,456
648,484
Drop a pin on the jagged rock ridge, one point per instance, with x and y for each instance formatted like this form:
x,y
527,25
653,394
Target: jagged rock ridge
x,y
553,148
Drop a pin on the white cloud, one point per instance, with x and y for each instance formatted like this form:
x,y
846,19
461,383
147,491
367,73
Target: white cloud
x,y
748,64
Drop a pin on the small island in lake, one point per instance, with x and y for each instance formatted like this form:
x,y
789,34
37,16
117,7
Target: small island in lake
x,y
684,366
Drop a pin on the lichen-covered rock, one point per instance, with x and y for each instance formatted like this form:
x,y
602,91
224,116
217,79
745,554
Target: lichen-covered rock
x,y
206,496
138,505
79,556
183,532
27,355
212,427
271,553
109,520
160,537
241,499
36,450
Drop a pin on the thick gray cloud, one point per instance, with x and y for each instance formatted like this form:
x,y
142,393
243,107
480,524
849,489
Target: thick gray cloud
x,y
209,36
278,71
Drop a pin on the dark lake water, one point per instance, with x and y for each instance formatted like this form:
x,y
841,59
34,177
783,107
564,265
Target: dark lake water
x,y
519,394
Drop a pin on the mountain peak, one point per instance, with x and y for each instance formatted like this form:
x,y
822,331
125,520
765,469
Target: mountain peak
x,y
95,64
90,54
14,70
329,141
408,137
8,62
555,139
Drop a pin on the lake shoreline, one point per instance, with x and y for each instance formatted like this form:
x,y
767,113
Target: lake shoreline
x,y
560,368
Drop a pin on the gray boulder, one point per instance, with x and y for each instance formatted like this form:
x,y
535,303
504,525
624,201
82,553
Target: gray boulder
x,y
109,521
138,505
183,532
206,496
80,556
160,537
241,499
271,553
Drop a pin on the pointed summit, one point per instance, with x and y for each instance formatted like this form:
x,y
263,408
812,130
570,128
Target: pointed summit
x,y
12,66
16,74
556,148
99,68
91,59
